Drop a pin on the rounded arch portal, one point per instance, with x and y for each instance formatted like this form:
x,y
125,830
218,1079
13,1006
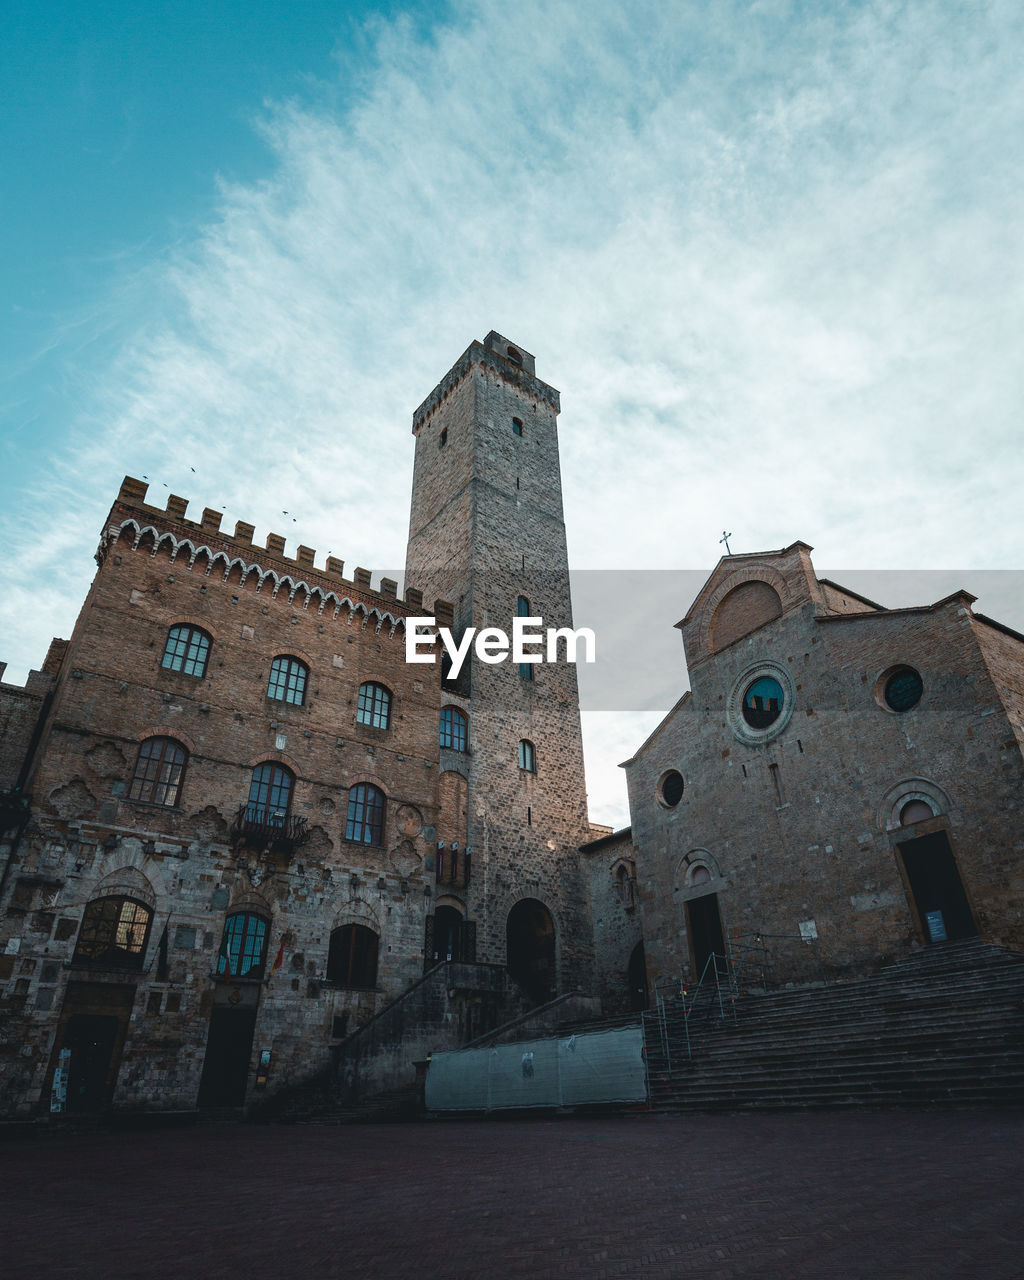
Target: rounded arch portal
x,y
530,942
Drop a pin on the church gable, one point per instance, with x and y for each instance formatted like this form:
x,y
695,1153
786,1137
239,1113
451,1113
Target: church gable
x,y
745,593
744,609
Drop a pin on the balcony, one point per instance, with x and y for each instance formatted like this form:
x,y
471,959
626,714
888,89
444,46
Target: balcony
x,y
257,827
453,867
14,811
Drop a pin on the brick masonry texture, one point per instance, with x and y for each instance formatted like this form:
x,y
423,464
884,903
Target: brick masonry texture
x,y
826,847
485,504
796,828
88,839
486,528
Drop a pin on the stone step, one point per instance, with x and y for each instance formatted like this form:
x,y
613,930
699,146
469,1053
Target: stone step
x,y
942,1027
911,1027
867,1065
893,1005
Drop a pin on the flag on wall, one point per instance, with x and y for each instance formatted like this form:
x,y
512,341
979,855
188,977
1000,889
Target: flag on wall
x,y
280,958
225,955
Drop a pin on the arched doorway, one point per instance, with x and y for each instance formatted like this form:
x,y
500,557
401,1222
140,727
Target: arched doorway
x,y
637,977
936,889
447,935
530,940
704,925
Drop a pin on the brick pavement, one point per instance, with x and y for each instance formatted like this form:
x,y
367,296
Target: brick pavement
x,y
862,1195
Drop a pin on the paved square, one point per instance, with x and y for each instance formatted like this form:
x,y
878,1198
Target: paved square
x,y
807,1195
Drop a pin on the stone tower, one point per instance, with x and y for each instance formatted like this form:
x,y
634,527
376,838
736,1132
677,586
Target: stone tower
x,y
487,534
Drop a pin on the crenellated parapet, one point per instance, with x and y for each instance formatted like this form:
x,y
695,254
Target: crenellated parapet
x,y
202,546
491,356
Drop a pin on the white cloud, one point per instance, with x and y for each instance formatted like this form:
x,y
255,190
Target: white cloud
x,y
767,252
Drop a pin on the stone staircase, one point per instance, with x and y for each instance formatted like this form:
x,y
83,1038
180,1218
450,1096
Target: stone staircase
x,y
943,1027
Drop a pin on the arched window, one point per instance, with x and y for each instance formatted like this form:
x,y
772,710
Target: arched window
x,y
523,611
270,794
113,933
527,756
187,650
365,822
243,946
915,811
288,680
374,705
352,958
454,727
159,770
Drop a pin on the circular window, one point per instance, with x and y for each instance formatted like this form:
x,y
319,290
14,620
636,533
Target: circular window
x,y
670,789
762,702
903,689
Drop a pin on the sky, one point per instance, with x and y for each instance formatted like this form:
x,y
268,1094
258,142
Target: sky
x,y
769,252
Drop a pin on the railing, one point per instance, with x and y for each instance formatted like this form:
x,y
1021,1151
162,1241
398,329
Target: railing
x,y
453,867
753,959
774,959
260,827
679,1006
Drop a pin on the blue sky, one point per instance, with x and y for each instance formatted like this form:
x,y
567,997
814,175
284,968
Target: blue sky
x,y
770,252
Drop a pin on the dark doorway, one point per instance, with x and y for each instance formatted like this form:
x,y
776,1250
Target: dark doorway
x,y
447,935
530,939
638,994
91,1038
936,888
704,925
93,1024
228,1049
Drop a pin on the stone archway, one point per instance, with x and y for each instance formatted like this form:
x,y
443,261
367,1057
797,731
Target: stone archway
x,y
530,941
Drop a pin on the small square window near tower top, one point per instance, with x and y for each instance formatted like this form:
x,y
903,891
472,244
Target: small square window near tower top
x,y
442,439
517,426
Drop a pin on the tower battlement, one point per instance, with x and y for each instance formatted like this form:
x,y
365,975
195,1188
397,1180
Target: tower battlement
x,y
171,524
495,355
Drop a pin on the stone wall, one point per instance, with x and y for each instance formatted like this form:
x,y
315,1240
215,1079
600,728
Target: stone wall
x,y
797,831
90,839
615,912
486,529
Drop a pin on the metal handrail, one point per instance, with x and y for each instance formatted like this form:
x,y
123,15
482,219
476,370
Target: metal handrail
x,y
676,1000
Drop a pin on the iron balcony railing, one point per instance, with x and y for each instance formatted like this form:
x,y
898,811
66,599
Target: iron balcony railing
x,y
260,827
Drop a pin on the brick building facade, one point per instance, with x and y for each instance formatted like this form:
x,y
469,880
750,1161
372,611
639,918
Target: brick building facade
x,y
844,781
238,823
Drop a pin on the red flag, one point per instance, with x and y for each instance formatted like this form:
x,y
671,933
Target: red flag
x,y
280,959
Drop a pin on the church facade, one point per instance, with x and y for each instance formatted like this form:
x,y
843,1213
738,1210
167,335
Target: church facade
x,y
843,782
